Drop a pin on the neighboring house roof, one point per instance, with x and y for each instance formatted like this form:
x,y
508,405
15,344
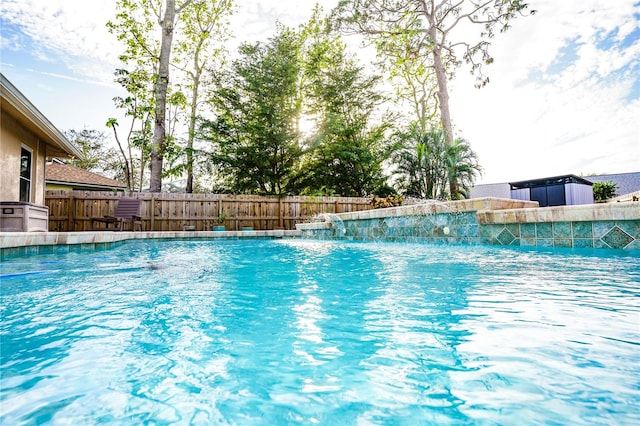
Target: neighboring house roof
x,y
19,107
626,182
64,174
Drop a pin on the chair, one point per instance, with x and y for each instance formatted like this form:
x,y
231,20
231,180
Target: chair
x,y
127,210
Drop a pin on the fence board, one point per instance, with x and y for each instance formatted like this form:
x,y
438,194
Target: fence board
x,y
73,210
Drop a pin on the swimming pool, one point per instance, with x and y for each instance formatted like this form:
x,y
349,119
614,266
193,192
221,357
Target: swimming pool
x,y
319,332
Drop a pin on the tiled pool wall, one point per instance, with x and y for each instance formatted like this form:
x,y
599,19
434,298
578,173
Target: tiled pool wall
x,y
601,226
606,226
16,244
491,221
430,228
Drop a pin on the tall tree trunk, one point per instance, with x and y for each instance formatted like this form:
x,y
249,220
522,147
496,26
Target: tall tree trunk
x,y
162,83
192,127
443,101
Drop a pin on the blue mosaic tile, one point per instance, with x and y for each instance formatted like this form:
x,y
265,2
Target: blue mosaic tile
x,y
10,252
485,231
545,242
47,249
599,244
528,242
631,227
63,248
514,228
617,238
562,230
583,230
563,242
392,222
527,230
635,245
602,227
544,230
583,242
505,238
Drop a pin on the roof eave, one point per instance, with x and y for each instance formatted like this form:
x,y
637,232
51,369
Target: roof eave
x,y
85,185
19,103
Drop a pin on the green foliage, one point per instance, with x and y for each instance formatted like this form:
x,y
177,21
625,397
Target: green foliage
x,y
347,152
428,165
421,44
97,156
205,29
602,191
255,142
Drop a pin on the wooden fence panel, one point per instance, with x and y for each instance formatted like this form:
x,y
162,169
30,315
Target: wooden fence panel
x,y
73,210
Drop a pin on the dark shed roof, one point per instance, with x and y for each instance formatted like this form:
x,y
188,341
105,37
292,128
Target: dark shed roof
x,y
556,180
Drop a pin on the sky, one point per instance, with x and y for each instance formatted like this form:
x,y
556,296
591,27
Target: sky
x,y
563,97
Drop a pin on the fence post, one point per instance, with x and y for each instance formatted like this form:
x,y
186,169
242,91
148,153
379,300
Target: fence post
x,y
152,212
71,216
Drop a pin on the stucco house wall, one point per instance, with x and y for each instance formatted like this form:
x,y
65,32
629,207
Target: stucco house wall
x,y
23,127
14,137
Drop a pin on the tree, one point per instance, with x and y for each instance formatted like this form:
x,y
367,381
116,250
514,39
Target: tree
x,y
429,28
428,165
134,25
255,140
462,168
97,156
168,21
201,44
134,148
347,153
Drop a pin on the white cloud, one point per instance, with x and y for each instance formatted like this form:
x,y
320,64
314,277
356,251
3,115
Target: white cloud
x,y
557,102
546,114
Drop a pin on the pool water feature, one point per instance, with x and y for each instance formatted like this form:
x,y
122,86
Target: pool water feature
x,y
334,222
320,332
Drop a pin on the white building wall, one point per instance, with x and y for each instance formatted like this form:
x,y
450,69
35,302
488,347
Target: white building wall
x,y
521,194
577,193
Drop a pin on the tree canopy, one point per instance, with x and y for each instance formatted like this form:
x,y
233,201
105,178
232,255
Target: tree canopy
x,y
301,112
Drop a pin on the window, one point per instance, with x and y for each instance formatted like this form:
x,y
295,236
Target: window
x,y
25,175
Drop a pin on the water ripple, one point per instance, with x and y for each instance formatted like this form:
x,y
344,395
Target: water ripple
x,y
308,332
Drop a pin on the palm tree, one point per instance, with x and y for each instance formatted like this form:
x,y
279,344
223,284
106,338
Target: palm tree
x,y
431,168
462,168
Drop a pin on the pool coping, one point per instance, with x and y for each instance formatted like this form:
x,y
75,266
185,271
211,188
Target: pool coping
x,y
10,240
489,211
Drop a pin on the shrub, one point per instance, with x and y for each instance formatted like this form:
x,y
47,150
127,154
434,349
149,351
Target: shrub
x,y
391,200
602,191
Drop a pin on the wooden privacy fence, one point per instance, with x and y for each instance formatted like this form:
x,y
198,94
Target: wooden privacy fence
x,y
73,210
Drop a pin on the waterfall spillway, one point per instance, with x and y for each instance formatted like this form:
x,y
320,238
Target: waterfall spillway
x,y
334,221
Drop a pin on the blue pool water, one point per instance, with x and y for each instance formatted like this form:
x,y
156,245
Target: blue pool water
x,y
309,332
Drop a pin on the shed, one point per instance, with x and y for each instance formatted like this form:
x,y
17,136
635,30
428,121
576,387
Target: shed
x,y
554,191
